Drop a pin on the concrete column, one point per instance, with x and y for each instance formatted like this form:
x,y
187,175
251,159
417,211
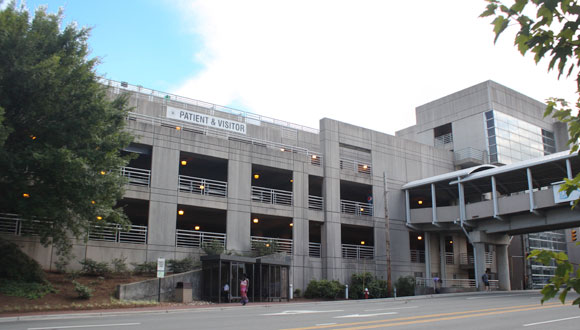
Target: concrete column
x,y
503,271
300,234
427,255
238,214
163,200
331,230
479,264
443,258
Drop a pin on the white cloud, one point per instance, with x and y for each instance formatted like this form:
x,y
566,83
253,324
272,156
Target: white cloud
x,y
369,63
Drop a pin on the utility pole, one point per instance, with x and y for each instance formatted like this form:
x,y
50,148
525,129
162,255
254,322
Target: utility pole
x,y
388,234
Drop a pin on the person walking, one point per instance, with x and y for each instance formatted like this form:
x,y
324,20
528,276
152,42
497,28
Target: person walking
x,y
485,279
226,293
244,285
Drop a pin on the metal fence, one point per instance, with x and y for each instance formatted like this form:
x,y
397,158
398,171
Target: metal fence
x,y
451,283
449,258
351,251
465,259
114,233
203,186
314,249
315,202
417,256
137,176
445,140
470,153
355,166
196,238
13,224
271,196
282,244
357,208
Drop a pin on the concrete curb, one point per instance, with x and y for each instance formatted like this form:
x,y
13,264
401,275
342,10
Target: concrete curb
x,y
201,308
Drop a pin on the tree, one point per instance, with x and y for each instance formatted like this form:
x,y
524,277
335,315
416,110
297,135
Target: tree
x,y
60,136
553,34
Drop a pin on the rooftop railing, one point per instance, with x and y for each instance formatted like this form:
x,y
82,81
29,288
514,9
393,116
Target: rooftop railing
x,y
356,208
282,244
203,186
470,153
137,176
153,95
195,238
445,140
271,196
351,251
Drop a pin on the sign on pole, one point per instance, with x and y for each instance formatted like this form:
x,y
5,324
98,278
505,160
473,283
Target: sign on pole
x,y
160,267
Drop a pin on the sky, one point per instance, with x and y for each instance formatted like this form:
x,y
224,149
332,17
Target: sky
x,y
367,63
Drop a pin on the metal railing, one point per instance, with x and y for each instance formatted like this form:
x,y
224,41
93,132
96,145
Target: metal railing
x,y
489,258
114,233
351,251
417,256
137,176
451,283
470,153
444,140
357,208
271,196
449,258
314,249
195,238
355,166
162,97
15,225
315,159
282,244
466,259
315,202
201,186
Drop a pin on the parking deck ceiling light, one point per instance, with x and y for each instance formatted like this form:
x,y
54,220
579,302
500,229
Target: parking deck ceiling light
x,y
255,220
25,195
267,244
103,172
420,202
181,212
201,187
33,137
282,149
314,156
450,242
291,180
256,176
419,237
365,167
184,162
196,227
362,209
99,217
362,242
93,202
291,224
178,128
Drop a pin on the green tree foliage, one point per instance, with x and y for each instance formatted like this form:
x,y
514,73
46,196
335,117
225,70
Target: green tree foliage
x,y
60,136
549,29
324,289
17,266
405,286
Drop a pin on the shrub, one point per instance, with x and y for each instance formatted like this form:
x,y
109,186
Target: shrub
x,y
358,282
119,265
297,293
405,286
18,266
213,247
31,290
83,291
145,268
94,268
181,266
324,289
265,248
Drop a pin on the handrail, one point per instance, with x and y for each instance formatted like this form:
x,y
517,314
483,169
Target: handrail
x,y
314,249
165,97
355,166
351,251
357,208
137,176
136,234
196,238
271,196
315,202
202,186
451,283
284,244
417,256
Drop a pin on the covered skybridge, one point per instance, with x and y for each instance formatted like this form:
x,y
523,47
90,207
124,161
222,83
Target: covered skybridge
x,y
488,203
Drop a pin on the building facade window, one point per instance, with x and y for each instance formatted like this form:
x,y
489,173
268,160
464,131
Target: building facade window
x,y
511,140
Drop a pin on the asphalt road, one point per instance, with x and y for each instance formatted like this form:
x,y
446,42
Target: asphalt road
x,y
495,310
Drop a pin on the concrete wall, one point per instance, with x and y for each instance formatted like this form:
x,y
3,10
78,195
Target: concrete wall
x,y
160,289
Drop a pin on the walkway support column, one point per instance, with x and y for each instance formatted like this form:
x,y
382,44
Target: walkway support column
x,y
427,255
479,264
503,273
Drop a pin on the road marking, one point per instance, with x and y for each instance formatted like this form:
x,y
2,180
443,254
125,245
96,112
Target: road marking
x,y
552,321
364,315
325,324
388,309
503,295
438,317
85,326
296,312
